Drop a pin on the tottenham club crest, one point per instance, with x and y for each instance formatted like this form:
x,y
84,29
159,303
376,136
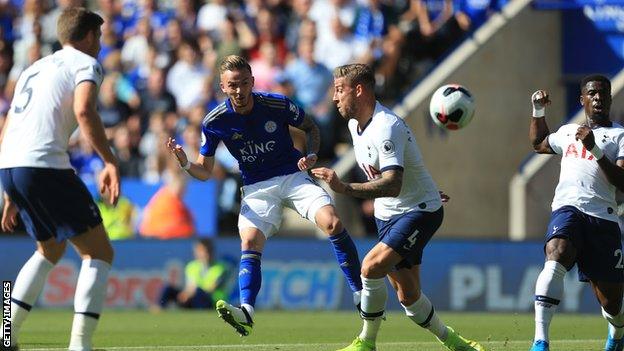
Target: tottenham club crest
x,y
270,126
387,147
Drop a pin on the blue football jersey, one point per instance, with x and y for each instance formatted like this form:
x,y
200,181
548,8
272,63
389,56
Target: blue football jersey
x,y
260,140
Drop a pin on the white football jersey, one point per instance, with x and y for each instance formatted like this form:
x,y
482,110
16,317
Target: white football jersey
x,y
582,183
41,113
388,143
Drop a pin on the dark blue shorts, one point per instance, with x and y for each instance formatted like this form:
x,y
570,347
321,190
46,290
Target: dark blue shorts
x,y
53,203
597,241
409,233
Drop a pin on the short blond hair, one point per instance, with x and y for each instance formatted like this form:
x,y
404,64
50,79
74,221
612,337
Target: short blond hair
x,y
356,73
234,63
75,23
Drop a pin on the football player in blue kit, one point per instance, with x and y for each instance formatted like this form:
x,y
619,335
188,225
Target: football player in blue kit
x,y
254,128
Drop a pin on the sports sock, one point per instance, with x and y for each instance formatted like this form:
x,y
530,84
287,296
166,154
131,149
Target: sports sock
x,y
616,324
548,294
423,314
374,296
27,288
88,302
249,277
347,257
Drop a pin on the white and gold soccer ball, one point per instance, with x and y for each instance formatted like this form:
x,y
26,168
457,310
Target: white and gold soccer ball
x,y
452,107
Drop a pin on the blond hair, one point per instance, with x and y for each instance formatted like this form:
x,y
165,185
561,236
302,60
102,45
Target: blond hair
x,y
356,73
234,63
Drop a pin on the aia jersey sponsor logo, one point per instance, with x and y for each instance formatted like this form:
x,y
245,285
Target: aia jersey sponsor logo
x,y
573,151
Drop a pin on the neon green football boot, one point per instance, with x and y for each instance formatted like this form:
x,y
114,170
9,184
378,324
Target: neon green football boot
x,y
360,345
456,342
237,317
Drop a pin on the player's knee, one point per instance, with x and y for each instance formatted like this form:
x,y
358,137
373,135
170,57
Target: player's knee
x,y
614,307
613,315
373,269
52,252
561,251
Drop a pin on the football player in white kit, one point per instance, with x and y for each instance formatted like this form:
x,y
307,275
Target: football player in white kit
x,y
53,97
583,228
408,208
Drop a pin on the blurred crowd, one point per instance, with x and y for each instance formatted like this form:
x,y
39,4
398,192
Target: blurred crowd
x,y
160,58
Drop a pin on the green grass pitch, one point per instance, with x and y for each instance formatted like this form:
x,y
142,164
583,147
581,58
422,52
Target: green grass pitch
x,y
303,331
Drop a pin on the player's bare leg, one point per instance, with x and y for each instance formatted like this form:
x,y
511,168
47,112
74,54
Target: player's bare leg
x,y
346,253
560,253
419,309
249,280
610,297
96,252
30,281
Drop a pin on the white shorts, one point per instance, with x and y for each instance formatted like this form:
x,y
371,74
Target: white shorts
x,y
262,202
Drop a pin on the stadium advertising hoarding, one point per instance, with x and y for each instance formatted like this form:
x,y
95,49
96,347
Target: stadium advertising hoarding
x,y
303,274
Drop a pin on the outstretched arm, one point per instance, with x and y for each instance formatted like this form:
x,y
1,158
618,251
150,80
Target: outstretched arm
x,y
388,185
538,129
200,169
313,143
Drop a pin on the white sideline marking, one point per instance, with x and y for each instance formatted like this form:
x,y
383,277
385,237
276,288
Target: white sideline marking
x,y
253,346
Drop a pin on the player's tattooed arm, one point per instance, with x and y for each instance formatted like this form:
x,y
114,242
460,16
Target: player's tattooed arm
x,y
312,133
389,185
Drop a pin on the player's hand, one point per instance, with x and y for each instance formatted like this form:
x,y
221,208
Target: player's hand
x,y
540,100
109,183
184,296
586,136
330,177
445,198
9,215
177,150
307,162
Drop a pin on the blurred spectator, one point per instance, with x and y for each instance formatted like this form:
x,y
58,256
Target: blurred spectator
x,y
166,216
110,10
234,37
130,163
330,13
118,220
186,78
110,40
134,51
300,13
265,67
478,11
268,31
312,83
112,110
155,98
337,48
206,280
85,161
211,16
32,12
186,14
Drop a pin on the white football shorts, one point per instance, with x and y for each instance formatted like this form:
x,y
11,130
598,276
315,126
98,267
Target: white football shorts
x,y
262,202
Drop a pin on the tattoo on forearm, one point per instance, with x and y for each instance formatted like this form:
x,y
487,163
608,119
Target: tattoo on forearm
x,y
313,134
382,187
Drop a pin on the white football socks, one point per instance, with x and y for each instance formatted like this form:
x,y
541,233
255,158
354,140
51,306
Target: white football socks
x,y
616,324
423,314
548,294
374,296
88,302
27,288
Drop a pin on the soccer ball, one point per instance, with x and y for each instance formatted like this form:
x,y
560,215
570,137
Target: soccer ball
x,y
452,107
